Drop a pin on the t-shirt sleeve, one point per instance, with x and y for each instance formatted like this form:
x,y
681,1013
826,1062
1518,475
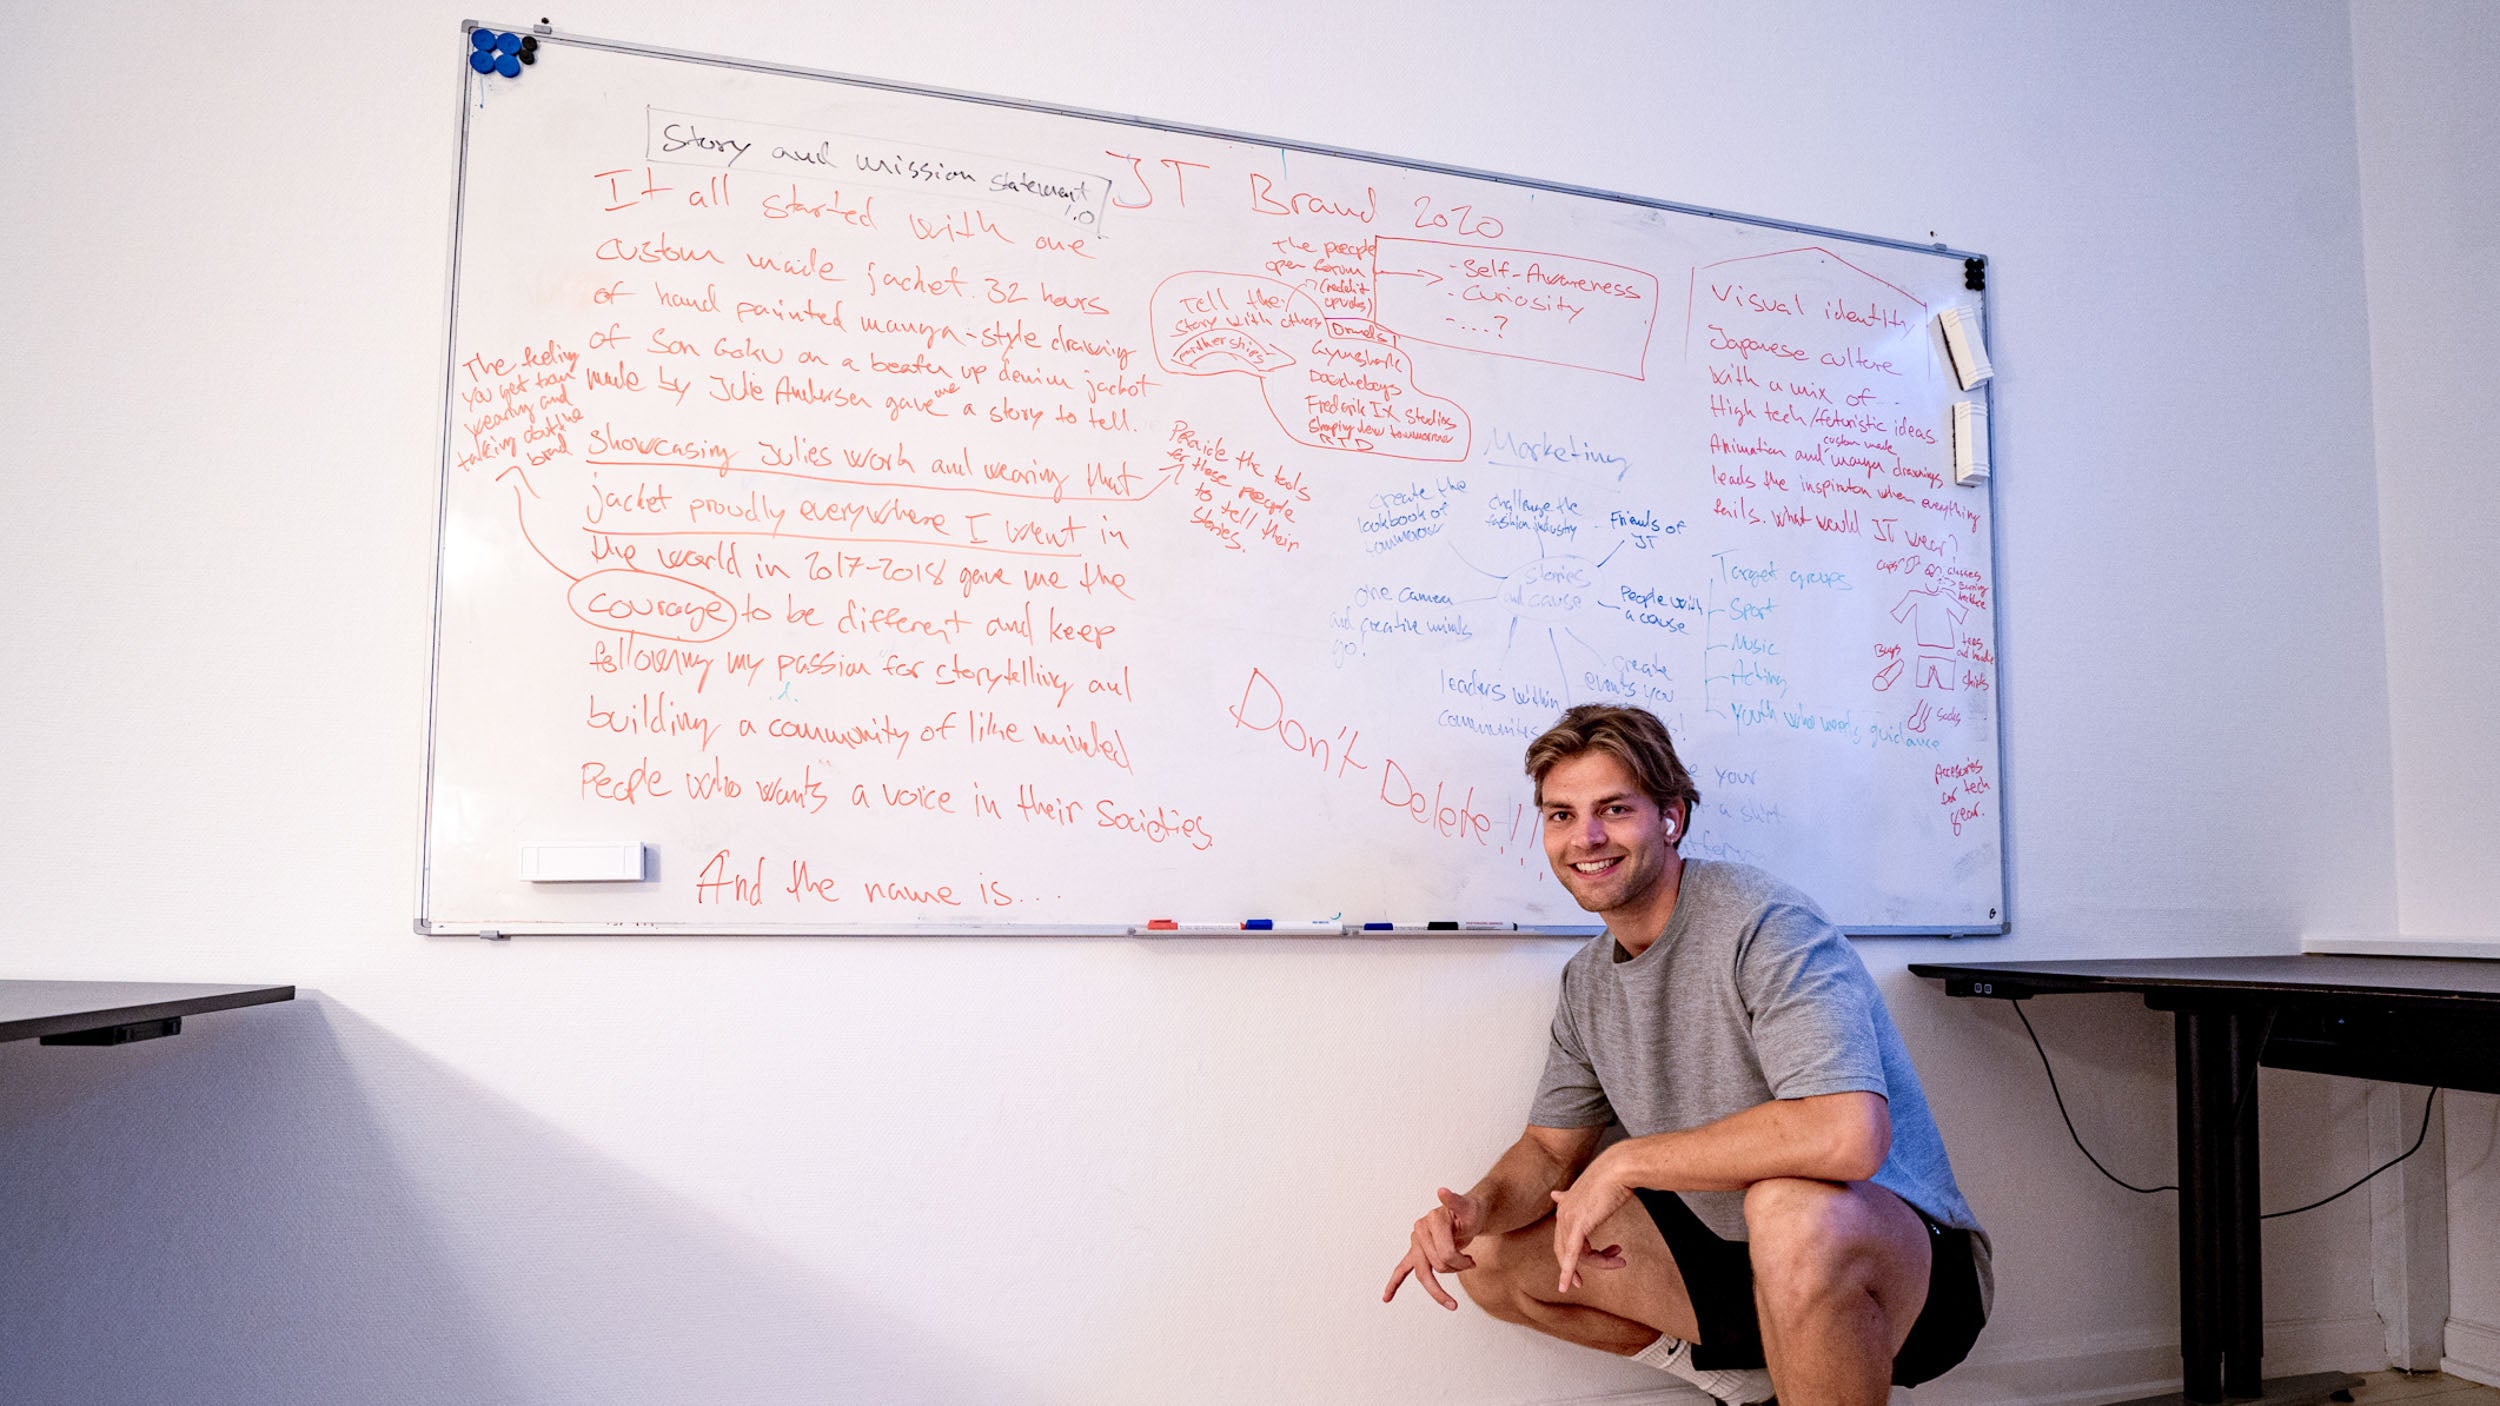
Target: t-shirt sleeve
x,y
1812,1006
1568,1094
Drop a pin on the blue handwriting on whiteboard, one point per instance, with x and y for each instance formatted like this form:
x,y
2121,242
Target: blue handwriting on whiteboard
x,y
1510,451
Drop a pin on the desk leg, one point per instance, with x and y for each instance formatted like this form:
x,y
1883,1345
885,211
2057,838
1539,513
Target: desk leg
x,y
2244,1332
2222,1308
2221,1284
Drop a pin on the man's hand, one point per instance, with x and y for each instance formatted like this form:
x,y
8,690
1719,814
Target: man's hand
x,y
1578,1212
1438,1242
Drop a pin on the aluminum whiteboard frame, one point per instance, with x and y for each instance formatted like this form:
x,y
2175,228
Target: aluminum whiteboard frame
x,y
546,36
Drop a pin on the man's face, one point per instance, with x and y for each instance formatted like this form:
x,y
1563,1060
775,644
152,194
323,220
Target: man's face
x,y
1605,837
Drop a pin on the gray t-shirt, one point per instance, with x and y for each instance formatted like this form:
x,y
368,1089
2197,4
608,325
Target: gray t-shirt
x,y
1749,995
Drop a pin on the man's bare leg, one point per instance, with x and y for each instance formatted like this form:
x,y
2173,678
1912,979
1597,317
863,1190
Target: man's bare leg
x,y
1840,1273
1613,1310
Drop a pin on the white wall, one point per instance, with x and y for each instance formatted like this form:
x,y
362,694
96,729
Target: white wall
x,y
2429,141
670,1170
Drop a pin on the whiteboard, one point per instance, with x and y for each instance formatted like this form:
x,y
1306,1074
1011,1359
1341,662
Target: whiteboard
x,y
903,511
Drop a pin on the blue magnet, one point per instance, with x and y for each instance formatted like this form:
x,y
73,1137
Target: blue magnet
x,y
494,51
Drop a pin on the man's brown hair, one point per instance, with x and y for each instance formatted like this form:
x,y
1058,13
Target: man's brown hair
x,y
1632,736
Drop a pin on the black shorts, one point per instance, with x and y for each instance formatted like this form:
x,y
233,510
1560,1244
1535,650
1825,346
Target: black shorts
x,y
1718,1276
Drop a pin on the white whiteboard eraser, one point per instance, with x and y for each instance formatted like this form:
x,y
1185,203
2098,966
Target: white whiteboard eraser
x,y
1964,346
1970,442
575,863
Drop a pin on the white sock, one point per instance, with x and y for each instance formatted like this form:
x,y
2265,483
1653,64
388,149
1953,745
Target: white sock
x,y
1673,1355
1668,1354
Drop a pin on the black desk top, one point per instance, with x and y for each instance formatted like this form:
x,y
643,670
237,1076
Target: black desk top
x,y
30,1009
2470,980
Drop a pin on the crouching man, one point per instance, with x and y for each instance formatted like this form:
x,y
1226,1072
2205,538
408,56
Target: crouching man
x,y
1779,1215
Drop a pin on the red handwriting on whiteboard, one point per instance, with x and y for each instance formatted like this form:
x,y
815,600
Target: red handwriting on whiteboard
x,y
1457,219
1456,819
1332,383
1959,787
1265,200
1173,173
1262,708
1559,309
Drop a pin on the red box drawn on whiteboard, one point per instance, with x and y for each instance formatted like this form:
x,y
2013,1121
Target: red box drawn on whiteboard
x,y
1553,308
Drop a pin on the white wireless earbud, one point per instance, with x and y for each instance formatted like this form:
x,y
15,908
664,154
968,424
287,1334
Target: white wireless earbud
x,y
1670,827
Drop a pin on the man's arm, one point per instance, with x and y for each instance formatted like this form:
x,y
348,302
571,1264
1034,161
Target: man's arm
x,y
1829,1137
1518,1191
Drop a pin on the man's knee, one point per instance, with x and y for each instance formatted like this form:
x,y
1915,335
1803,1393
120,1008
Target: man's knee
x,y
1809,1239
1498,1283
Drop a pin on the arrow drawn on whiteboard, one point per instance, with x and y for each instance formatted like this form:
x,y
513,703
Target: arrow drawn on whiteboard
x,y
525,479
521,519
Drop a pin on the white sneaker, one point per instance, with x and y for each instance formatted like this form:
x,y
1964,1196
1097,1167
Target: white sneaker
x,y
1733,1386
